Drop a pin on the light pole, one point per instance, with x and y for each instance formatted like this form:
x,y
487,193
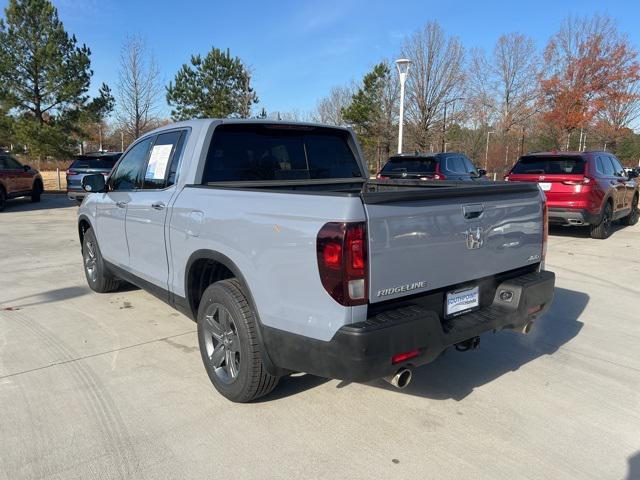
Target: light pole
x,y
444,120
402,64
486,151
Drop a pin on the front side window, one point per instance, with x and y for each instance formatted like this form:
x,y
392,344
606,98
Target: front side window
x,y
128,174
279,152
456,165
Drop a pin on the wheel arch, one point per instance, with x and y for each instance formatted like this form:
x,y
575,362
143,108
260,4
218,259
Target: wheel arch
x,y
84,224
206,267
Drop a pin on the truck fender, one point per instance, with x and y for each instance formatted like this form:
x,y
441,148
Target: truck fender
x,y
233,268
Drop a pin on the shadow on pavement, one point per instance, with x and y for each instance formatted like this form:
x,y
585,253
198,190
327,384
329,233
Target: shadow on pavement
x,y
634,467
578,232
47,202
455,375
293,385
50,296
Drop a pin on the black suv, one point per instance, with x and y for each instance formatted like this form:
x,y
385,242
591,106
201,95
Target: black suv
x,y
431,166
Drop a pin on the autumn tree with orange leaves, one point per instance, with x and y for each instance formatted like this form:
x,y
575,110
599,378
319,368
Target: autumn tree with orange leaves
x,y
588,67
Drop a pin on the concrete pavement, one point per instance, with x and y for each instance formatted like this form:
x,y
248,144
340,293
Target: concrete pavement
x,y
112,386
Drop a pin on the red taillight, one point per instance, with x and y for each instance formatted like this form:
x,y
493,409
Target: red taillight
x,y
381,177
506,178
342,261
403,357
438,174
71,172
545,230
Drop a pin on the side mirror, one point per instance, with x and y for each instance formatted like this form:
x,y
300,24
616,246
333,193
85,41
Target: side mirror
x,y
26,168
94,183
482,172
632,174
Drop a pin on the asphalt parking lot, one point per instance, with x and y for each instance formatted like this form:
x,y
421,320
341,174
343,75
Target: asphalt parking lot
x,y
112,386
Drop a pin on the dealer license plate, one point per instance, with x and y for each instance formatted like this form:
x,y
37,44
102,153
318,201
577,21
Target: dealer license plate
x,y
462,301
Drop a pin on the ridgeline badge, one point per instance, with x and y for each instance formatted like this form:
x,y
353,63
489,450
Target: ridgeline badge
x,y
402,288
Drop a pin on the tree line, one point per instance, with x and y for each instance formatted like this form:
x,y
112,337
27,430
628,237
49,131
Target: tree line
x,y
579,91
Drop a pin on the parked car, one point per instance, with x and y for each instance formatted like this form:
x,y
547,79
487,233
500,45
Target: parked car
x,y
431,166
99,162
582,188
273,238
17,180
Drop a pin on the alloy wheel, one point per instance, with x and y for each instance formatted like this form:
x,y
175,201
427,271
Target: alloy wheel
x,y
222,342
91,261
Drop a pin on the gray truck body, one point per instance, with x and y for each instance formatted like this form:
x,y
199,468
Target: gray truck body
x,y
423,241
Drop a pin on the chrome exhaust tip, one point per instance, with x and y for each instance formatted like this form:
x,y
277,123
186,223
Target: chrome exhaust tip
x,y
400,379
527,328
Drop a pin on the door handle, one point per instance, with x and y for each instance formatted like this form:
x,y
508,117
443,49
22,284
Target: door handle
x,y
121,204
158,206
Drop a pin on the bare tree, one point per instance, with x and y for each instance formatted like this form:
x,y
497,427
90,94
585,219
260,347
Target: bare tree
x,y
504,87
436,75
620,112
138,88
329,109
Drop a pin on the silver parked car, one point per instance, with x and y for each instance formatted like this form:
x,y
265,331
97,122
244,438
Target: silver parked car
x,y
90,163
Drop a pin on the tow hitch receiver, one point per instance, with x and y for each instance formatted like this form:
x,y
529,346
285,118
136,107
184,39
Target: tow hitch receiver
x,y
470,344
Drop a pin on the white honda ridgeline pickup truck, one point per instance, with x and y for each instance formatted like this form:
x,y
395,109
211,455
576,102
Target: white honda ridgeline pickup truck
x,y
273,238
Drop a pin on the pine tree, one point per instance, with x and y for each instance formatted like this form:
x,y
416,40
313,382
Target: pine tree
x,y
45,75
216,86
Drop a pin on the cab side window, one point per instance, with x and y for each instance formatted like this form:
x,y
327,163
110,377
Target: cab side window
x,y
128,174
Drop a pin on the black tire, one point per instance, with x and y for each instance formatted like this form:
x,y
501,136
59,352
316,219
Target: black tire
x,y
99,278
632,218
3,199
37,191
229,343
603,229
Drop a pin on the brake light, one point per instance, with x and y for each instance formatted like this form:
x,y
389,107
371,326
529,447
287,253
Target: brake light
x,y
402,357
545,232
381,177
71,172
439,175
506,178
342,261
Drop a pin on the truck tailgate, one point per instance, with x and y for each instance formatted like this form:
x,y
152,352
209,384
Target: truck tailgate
x,y
422,239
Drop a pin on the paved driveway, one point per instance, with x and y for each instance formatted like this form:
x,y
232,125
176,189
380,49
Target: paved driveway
x,y
112,386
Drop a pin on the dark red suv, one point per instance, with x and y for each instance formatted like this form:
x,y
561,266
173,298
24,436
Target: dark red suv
x,y
582,188
17,180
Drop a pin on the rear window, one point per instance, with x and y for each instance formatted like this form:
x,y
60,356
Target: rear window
x,y
276,152
410,165
95,162
556,164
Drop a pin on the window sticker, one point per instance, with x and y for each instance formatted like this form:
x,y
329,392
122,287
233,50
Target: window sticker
x,y
158,161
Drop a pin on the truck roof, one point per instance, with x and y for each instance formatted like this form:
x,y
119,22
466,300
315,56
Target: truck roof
x,y
205,122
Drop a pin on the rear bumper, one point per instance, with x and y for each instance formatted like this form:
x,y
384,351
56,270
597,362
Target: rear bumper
x,y
570,216
362,351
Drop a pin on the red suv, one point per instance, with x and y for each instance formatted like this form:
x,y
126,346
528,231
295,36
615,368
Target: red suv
x,y
17,180
582,188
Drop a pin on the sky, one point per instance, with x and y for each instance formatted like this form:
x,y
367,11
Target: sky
x,y
299,49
